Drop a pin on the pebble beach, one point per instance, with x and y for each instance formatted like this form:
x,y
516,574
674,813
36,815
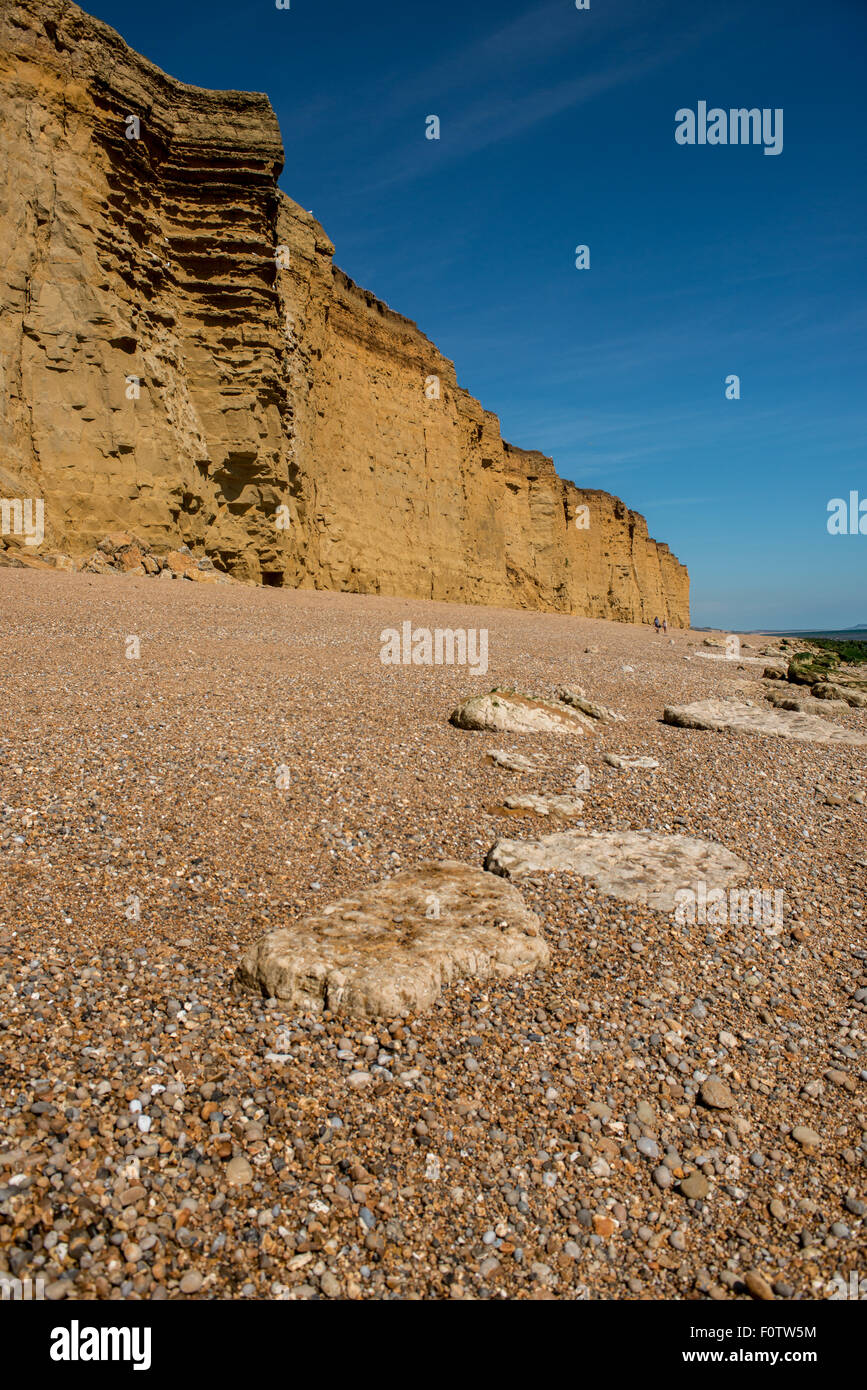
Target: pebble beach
x,y
668,1110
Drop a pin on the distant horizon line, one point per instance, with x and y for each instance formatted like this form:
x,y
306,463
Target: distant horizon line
x,y
787,631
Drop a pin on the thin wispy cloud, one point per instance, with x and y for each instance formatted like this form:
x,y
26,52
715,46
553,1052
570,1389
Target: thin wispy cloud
x,y
484,123
678,501
503,85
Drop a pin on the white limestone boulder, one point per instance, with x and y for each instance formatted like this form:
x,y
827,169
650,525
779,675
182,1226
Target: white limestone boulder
x,y
390,949
635,865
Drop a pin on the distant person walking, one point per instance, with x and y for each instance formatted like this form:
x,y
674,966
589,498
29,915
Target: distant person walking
x,y
656,624
664,625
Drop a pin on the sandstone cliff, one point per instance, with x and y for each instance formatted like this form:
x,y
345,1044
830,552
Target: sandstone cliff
x,y
180,357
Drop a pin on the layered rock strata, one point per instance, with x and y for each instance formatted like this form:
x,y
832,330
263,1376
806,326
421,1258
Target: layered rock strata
x,y
180,357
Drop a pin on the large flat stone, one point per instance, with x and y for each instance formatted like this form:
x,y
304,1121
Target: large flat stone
x,y
735,660
636,865
545,805
390,949
511,711
720,715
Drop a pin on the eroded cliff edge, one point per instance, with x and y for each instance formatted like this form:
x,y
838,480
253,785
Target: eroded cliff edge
x,y
165,368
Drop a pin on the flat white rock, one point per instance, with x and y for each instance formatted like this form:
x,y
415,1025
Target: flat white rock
x,y
391,948
720,715
735,660
636,865
545,805
510,711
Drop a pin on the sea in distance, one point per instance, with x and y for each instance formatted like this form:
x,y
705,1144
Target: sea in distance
x,y
849,634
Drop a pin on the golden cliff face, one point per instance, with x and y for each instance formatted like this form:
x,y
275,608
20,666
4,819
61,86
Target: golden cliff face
x,y
179,357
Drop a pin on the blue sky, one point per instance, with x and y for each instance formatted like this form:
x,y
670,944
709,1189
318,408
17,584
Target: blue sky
x,y
557,129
